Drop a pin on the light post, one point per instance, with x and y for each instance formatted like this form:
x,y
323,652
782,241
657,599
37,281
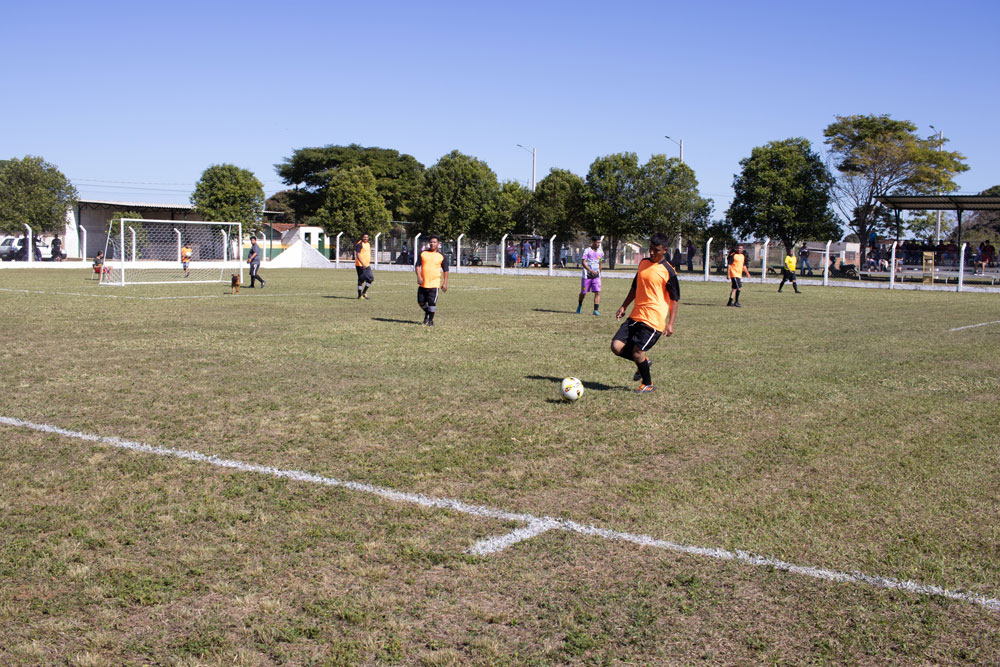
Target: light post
x,y
681,144
532,151
937,232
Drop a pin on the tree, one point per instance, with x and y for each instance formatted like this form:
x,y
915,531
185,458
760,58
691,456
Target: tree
x,y
556,206
982,225
33,192
878,156
459,191
783,192
281,204
353,205
114,231
226,193
398,177
671,202
613,199
508,212
923,225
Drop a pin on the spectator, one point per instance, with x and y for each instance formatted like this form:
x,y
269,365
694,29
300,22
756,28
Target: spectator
x,y
804,260
691,252
57,253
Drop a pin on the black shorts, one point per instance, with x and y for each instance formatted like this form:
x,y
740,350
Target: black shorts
x,y
787,275
365,274
737,283
638,335
427,296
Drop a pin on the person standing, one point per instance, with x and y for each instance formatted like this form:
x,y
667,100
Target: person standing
x,y
804,259
363,265
57,253
737,267
691,252
656,292
590,281
432,274
186,254
254,261
788,272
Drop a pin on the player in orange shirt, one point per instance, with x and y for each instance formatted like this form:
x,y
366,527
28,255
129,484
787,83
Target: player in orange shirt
x,y
186,254
737,267
363,265
656,292
432,273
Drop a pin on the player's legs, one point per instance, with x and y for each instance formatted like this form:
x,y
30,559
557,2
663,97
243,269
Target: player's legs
x,y
369,279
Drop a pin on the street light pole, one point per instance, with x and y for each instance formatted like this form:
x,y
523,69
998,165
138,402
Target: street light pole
x,y
937,234
532,165
679,143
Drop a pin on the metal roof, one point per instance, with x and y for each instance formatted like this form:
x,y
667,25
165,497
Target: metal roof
x,y
132,204
941,203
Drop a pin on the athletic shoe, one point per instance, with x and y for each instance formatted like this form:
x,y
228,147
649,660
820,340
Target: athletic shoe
x,y
430,323
645,389
638,375
365,297
737,305
597,312
578,308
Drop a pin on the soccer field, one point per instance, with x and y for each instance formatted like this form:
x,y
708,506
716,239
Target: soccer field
x,y
814,481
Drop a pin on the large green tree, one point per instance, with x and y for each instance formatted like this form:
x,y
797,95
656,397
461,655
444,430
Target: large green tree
x,y
33,192
281,206
353,205
459,194
398,177
506,213
783,193
227,193
557,205
671,203
875,156
614,201
983,225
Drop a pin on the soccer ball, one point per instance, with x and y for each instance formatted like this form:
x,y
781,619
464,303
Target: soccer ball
x,y
571,389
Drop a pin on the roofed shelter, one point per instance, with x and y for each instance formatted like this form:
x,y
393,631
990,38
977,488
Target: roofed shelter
x,y
87,222
958,203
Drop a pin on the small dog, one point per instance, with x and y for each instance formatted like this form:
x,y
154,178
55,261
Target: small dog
x,y
235,282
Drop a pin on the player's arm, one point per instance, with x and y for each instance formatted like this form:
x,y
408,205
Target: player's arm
x,y
673,294
444,274
418,267
629,298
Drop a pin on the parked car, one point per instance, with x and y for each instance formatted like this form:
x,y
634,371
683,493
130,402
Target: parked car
x,y
12,249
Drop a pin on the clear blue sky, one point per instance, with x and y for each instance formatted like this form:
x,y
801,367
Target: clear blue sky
x,y
145,96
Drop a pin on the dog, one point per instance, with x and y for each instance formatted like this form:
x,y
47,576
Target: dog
x,y
235,282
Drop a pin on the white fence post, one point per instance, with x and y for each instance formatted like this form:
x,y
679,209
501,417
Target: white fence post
x,y
503,252
826,265
892,269
458,253
225,246
550,253
763,261
336,262
178,232
708,250
376,247
83,243
961,266
132,229
416,250
29,248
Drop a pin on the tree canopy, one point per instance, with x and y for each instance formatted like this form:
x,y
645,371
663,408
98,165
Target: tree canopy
x,y
669,191
227,193
398,177
613,200
556,206
458,195
875,156
352,205
507,212
783,193
33,192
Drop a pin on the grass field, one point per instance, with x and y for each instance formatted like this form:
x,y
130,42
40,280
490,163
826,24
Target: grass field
x,y
842,429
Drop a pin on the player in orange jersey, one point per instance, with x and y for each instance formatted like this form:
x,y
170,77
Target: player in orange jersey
x,y
363,265
737,267
186,254
656,292
432,274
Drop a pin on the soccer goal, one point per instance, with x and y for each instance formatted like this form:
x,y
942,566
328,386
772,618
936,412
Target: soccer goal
x,y
146,252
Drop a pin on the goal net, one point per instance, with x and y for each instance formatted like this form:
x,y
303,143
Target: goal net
x,y
145,252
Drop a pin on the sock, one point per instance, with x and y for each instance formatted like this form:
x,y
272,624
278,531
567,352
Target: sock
x,y
430,316
644,372
738,296
730,301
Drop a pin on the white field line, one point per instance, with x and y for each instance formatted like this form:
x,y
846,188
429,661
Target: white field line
x,y
973,326
471,288
494,544
536,525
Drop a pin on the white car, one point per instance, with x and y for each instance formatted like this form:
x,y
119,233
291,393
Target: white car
x,y
11,246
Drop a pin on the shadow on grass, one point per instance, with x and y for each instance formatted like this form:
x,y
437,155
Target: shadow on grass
x,y
547,310
692,303
593,386
334,296
389,319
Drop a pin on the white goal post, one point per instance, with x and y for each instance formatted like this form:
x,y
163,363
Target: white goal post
x,y
148,252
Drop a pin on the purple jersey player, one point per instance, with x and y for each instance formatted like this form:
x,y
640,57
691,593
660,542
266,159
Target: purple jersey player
x,y
591,280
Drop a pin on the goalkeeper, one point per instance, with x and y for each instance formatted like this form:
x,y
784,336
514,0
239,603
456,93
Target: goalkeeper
x,y
591,279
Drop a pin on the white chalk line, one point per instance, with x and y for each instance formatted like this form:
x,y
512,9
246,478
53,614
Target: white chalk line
x,y
471,288
493,545
536,525
973,326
